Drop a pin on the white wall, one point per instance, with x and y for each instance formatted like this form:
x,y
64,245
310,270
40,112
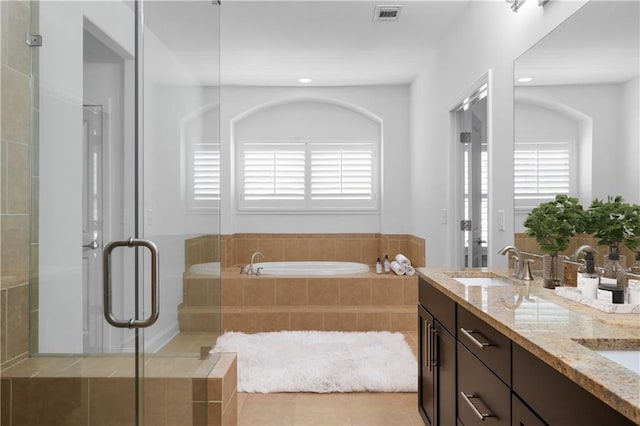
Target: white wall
x,y
487,38
630,137
61,100
389,103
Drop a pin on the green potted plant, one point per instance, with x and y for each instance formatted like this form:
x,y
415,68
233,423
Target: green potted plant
x,y
552,224
614,222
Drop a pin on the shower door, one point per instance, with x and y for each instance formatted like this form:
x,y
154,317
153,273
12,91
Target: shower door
x,y
125,171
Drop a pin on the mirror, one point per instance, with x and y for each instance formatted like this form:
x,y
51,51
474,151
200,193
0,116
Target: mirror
x,y
576,112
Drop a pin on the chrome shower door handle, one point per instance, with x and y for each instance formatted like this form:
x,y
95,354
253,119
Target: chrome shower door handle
x,y
155,301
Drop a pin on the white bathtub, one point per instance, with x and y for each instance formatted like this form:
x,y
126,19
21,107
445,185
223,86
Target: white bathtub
x,y
211,268
311,268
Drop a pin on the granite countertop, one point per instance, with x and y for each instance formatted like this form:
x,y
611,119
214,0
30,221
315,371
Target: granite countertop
x,y
561,332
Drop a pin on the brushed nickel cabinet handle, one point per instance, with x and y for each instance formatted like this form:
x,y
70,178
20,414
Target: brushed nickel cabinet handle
x,y
470,335
481,414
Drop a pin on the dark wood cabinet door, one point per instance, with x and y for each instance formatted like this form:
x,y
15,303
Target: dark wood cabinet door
x,y
521,415
446,375
482,397
426,373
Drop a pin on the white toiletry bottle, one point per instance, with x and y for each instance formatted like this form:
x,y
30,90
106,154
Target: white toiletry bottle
x,y
590,278
378,266
582,270
387,264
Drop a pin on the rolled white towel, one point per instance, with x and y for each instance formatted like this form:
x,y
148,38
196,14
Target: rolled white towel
x,y
410,271
398,268
403,260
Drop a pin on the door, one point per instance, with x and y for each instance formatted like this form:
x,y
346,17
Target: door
x,y
471,122
114,117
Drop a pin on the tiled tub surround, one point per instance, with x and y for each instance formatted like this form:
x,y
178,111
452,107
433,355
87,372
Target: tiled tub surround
x,y
369,302
93,391
551,327
365,302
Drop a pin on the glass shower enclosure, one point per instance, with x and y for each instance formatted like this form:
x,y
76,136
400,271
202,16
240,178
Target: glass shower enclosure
x,y
123,125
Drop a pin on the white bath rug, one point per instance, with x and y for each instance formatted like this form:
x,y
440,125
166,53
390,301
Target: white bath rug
x,y
319,361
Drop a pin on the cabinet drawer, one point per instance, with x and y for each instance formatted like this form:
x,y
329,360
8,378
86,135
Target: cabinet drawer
x,y
438,304
489,345
482,397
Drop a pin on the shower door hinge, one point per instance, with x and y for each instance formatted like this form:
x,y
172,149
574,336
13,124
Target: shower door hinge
x,y
465,137
465,225
33,40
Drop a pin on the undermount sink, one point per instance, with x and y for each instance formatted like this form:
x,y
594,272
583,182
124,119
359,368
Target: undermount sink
x,y
628,358
482,281
624,352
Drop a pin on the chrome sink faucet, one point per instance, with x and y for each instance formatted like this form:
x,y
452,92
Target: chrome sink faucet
x,y
519,270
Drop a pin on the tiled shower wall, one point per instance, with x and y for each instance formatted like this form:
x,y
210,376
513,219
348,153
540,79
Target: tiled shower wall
x,y
15,182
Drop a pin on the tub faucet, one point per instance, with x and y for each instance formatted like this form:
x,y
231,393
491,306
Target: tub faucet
x,y
518,271
250,270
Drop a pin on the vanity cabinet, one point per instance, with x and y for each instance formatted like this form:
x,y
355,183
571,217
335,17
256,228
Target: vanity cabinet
x,y
437,357
556,399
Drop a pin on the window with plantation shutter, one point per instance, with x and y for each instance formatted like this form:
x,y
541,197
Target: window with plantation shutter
x,y
542,170
204,176
307,176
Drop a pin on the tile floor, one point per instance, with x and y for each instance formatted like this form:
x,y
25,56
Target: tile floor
x,y
301,409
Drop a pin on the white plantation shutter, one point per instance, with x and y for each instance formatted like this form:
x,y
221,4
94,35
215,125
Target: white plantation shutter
x,y
274,175
204,182
313,176
342,174
542,170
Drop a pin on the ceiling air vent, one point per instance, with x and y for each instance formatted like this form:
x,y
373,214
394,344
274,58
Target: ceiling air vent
x,y
386,13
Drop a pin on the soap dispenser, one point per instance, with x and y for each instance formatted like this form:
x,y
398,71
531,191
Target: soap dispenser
x,y
387,264
589,278
378,266
613,281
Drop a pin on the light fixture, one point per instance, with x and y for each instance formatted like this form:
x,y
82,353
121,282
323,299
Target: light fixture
x,y
515,4
305,80
524,79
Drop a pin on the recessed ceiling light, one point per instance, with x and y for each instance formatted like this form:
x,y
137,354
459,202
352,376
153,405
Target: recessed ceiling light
x,y
524,79
305,80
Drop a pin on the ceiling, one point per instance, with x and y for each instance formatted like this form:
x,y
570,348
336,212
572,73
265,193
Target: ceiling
x,y
277,42
600,43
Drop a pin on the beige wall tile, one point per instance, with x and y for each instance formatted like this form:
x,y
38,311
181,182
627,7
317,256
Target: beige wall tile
x,y
214,414
245,322
410,285
272,321
229,380
355,291
404,321
306,320
322,249
244,249
387,292
273,250
178,402
232,291
230,413
17,321
18,51
259,291
200,414
340,321
111,401
297,249
14,251
154,407
15,105
291,291
42,401
323,291
373,321
200,388
349,250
